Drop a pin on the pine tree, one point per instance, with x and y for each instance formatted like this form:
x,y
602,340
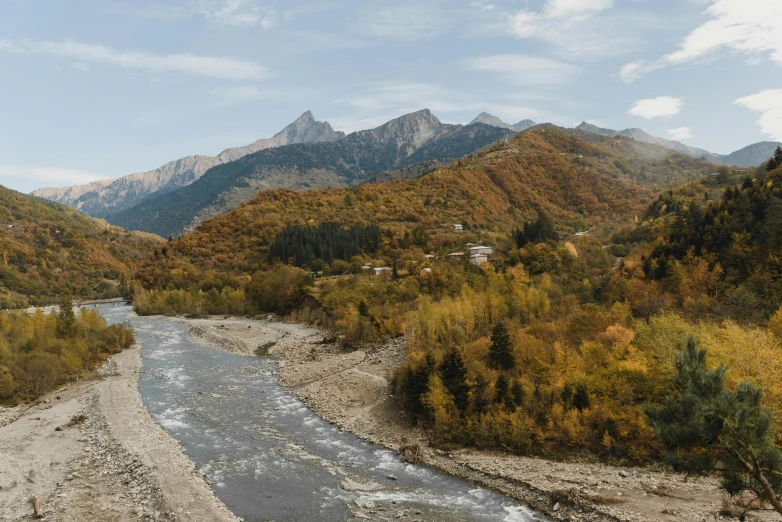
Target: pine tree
x,y
518,393
394,273
581,397
771,165
363,309
454,376
500,351
66,320
501,389
709,429
778,155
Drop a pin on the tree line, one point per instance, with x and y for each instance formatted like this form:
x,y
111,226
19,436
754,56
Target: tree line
x,y
303,245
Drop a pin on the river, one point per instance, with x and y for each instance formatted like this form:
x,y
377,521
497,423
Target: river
x,y
268,457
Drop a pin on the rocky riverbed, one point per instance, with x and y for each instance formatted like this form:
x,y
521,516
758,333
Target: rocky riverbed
x,y
91,451
352,390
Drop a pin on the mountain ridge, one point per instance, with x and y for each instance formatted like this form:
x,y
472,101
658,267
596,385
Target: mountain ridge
x,y
749,156
104,197
48,249
490,119
355,159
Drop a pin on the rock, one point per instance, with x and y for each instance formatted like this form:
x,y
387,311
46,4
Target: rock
x,y
391,476
556,507
623,474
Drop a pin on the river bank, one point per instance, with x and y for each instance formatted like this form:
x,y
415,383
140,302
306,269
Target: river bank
x,y
91,451
352,390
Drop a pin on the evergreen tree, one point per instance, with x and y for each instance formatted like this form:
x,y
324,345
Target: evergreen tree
x,y
481,395
778,155
709,429
394,272
501,389
771,165
66,320
538,232
363,309
454,376
500,351
581,397
518,393
416,384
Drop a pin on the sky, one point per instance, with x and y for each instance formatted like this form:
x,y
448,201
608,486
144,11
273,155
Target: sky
x,y
99,89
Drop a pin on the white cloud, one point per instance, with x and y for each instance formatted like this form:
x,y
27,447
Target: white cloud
x,y
662,107
680,133
7,46
404,21
482,7
246,13
387,101
749,27
252,93
634,70
238,12
565,8
769,105
215,67
526,70
575,28
48,176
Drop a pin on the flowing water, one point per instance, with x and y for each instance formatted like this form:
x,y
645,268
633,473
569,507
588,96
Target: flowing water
x,y
269,457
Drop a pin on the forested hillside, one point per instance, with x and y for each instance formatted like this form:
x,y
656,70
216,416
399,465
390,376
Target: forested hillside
x,y
48,249
489,194
353,160
556,342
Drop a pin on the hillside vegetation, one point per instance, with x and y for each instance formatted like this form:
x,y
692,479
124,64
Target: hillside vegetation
x,y
350,161
39,351
489,194
551,347
48,250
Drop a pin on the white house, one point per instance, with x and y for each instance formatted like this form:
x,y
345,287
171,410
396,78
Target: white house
x,y
382,270
455,255
480,249
478,259
426,271
458,227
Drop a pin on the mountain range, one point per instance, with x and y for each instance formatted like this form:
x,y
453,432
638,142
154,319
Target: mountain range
x,y
490,119
309,154
577,183
353,160
749,156
105,197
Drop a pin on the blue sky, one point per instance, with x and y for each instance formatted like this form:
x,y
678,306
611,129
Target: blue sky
x,y
103,88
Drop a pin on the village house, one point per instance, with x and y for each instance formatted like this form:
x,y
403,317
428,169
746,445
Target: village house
x,y
454,255
458,227
480,249
426,271
382,270
478,259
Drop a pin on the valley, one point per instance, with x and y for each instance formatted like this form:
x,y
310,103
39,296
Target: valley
x,y
503,307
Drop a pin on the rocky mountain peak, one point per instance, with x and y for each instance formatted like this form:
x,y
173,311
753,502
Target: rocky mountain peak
x,y
414,128
588,127
490,119
494,121
307,118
